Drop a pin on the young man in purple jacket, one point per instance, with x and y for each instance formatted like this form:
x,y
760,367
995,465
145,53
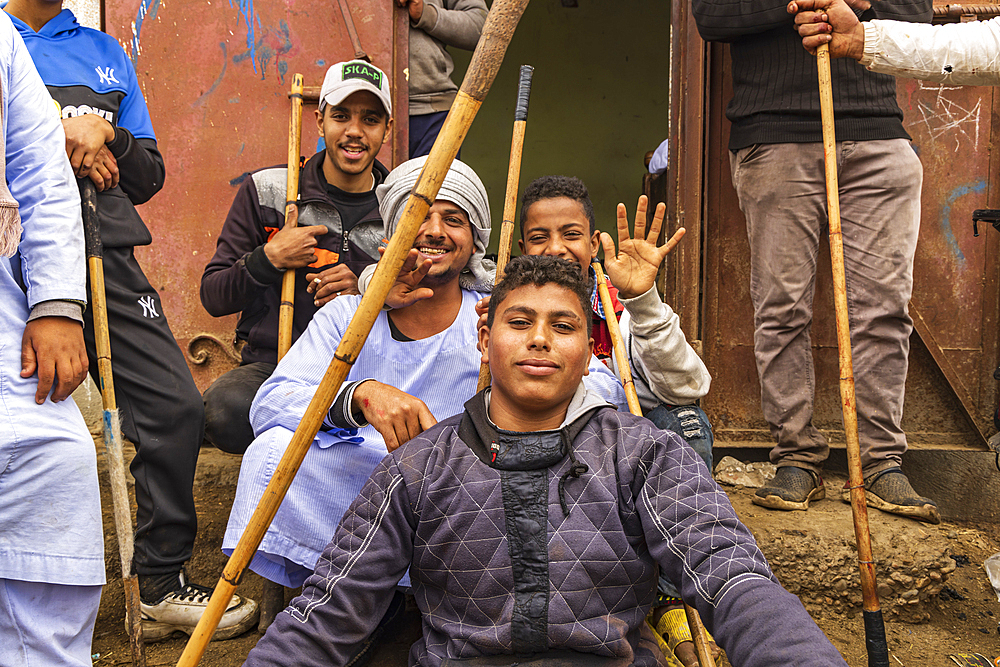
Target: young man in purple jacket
x,y
532,525
338,233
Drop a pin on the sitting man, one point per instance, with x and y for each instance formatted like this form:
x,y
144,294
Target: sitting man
x,y
533,523
338,234
419,363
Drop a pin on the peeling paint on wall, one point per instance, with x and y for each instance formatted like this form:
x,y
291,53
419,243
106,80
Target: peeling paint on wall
x,y
949,234
147,9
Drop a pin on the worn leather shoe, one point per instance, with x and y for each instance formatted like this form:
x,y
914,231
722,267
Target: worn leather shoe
x,y
890,491
791,489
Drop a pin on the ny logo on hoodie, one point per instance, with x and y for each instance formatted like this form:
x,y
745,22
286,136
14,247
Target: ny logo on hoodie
x,y
107,76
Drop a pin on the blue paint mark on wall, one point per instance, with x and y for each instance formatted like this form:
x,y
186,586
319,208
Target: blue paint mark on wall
x,y
320,63
225,62
271,44
147,9
956,194
252,22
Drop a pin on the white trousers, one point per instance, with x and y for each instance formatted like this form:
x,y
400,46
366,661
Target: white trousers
x,y
46,625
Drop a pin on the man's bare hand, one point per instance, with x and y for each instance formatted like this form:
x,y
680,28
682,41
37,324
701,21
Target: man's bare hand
x,y
832,22
86,135
406,291
327,285
414,7
294,247
688,655
104,173
53,347
633,268
394,413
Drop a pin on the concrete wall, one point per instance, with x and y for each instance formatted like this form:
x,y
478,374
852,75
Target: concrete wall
x,y
599,100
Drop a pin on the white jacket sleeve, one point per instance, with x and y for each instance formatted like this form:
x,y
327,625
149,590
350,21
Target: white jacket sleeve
x,y
40,179
956,53
660,354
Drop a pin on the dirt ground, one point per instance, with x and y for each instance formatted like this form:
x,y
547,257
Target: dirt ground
x,y
964,616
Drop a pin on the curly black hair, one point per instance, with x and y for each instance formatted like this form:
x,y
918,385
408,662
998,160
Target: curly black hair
x,y
539,270
550,187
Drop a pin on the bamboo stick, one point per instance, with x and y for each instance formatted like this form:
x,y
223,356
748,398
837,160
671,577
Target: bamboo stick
x,y
112,423
286,311
878,652
698,632
510,197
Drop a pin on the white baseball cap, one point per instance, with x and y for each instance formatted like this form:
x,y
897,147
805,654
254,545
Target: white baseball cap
x,y
349,77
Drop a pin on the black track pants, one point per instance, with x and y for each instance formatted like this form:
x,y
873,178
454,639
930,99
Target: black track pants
x,y
161,409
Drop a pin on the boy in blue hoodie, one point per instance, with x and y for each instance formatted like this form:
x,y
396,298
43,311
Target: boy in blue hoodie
x,y
110,139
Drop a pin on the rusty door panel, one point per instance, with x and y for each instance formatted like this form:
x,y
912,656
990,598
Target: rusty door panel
x,y
216,76
954,348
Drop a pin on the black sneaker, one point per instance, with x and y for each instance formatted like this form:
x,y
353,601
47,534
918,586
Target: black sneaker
x,y
890,491
791,489
179,611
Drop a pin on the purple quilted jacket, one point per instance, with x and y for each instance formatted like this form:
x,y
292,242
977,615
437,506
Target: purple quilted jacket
x,y
534,543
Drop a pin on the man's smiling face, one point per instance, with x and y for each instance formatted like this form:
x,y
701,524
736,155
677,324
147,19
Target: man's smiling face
x,y
445,238
558,227
354,131
538,350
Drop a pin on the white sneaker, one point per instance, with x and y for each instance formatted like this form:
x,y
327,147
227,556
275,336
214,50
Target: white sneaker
x,y
180,611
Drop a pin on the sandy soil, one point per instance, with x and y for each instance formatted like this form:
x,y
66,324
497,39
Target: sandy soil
x,y
963,616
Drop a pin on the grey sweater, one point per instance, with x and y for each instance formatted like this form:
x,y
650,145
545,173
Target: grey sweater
x,y
457,23
775,85
540,543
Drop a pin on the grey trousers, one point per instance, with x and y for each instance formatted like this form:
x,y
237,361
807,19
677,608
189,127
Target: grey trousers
x,y
782,192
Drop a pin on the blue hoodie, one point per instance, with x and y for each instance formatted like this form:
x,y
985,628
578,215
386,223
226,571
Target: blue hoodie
x,y
87,71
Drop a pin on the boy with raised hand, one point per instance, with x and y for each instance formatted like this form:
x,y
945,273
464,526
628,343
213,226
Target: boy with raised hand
x,y
533,523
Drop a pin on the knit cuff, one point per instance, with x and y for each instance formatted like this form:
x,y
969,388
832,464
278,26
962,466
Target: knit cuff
x,y
871,39
340,414
260,267
58,308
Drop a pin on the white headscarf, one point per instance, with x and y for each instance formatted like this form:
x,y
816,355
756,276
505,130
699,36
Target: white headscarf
x,y
462,187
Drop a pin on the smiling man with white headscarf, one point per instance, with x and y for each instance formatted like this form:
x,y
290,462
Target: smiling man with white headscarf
x,y
419,364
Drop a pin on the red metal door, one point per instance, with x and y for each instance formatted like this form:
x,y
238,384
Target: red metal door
x,y
216,77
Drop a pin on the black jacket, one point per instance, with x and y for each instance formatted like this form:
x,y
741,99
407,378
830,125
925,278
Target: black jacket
x,y
240,279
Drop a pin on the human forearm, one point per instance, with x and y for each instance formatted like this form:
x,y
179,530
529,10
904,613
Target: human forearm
x,y
956,53
659,350
140,166
353,583
40,179
457,24
230,289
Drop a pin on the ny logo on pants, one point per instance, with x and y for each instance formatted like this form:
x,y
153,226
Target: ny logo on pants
x,y
148,307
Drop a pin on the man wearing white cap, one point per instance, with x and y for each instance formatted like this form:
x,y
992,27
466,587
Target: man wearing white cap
x,y
338,233
419,364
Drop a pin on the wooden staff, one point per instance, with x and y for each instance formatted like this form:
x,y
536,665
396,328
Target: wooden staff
x,y
510,197
699,633
878,651
286,311
352,32
112,422
497,32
